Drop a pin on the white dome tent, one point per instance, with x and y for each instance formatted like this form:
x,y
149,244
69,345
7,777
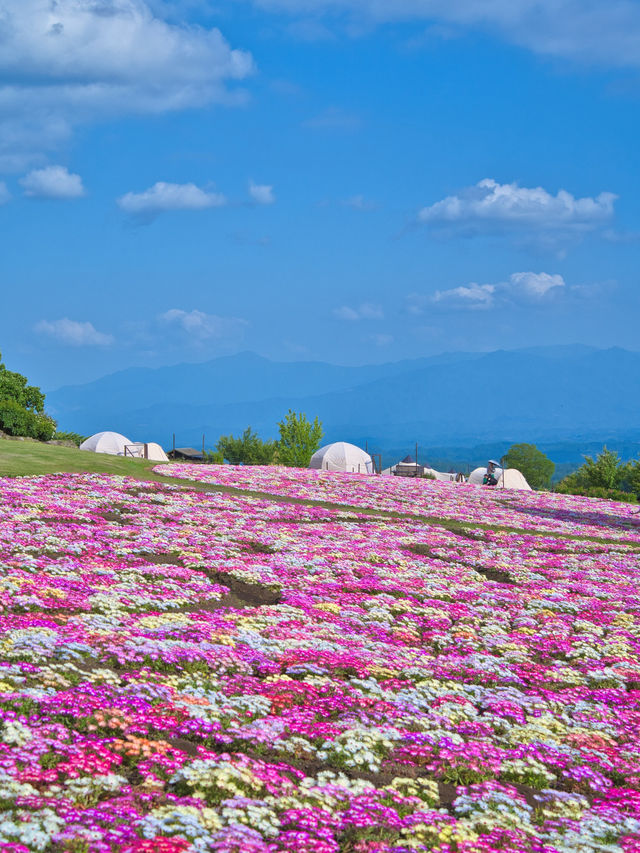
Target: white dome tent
x,y
342,456
106,442
155,452
478,474
509,478
147,450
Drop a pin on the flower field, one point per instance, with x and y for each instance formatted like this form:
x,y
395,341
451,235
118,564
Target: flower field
x,y
186,671
556,513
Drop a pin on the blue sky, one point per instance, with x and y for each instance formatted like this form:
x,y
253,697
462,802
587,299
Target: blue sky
x,y
350,180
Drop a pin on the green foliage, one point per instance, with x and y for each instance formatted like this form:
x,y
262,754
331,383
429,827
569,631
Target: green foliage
x,y
214,457
16,420
606,476
604,472
75,437
537,468
22,407
633,477
299,439
13,386
249,449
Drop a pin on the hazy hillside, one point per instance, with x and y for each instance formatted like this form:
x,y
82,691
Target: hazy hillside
x,y
551,394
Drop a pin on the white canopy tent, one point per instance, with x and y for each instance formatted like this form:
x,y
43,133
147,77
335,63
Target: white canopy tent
x,y
342,456
106,442
509,478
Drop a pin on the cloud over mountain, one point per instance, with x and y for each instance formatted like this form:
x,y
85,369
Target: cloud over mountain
x,y
201,326
73,333
524,288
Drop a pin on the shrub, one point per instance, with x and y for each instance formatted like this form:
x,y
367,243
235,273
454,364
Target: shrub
x,y
44,427
248,449
75,437
596,492
604,477
14,418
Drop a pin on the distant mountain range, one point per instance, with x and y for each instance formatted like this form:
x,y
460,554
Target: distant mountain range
x,y
553,395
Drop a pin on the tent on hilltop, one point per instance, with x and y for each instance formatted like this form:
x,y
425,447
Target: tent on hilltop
x,y
106,442
509,478
478,474
147,450
342,456
156,453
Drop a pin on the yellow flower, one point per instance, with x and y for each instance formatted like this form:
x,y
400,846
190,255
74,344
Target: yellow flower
x,y
329,606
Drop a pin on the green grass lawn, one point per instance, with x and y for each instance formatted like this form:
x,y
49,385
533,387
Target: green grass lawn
x,y
18,458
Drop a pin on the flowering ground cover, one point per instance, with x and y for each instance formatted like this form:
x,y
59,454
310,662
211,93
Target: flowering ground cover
x,y
568,514
186,671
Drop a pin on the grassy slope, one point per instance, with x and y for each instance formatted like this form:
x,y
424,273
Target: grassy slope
x,y
28,458
18,458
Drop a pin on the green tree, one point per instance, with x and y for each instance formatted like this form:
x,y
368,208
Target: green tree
x,y
536,467
248,449
13,386
22,407
633,477
606,476
606,471
299,439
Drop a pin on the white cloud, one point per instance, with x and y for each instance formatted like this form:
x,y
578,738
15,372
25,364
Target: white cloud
x,y
74,333
162,197
509,204
5,195
200,326
520,288
534,285
591,31
359,202
474,296
53,182
65,62
531,214
366,311
261,193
